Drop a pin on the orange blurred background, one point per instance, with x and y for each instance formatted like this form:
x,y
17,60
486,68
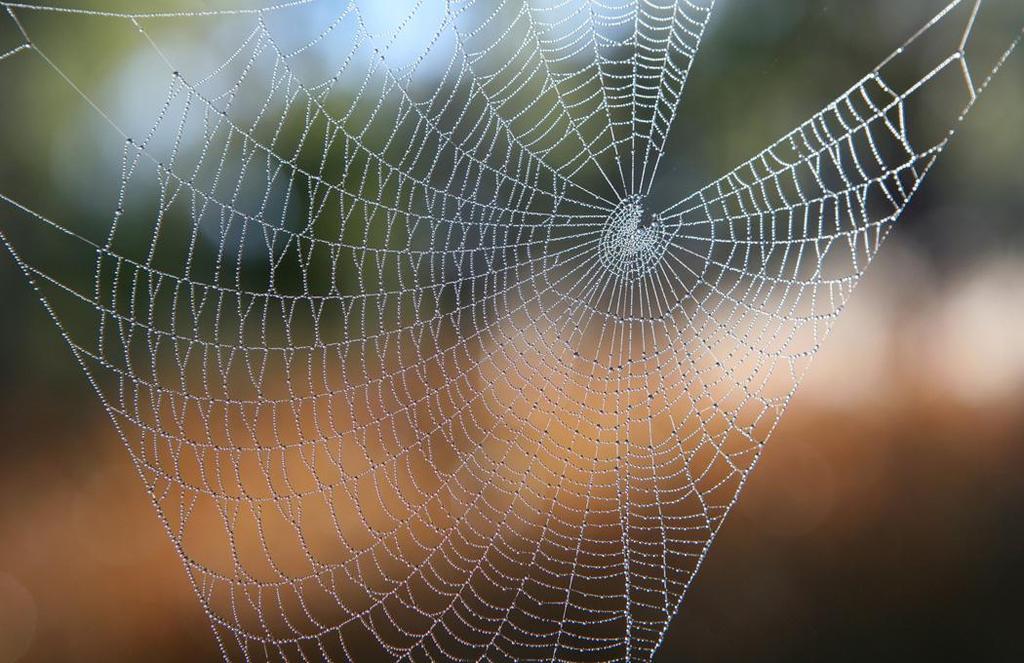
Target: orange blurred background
x,y
883,521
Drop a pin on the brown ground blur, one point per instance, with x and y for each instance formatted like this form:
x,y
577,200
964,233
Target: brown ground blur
x,y
883,521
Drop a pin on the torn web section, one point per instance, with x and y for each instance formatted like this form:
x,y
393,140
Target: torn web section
x,y
621,68
539,92
666,38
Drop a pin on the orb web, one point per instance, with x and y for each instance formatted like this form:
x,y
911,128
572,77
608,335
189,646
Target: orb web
x,y
406,358
632,242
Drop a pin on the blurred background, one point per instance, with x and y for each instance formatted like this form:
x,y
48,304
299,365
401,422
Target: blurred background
x,y
884,520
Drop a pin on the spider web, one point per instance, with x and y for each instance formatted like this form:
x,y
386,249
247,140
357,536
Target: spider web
x,y
407,360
